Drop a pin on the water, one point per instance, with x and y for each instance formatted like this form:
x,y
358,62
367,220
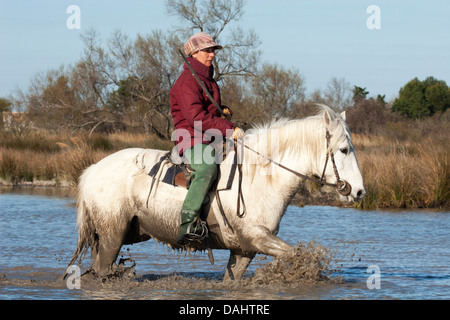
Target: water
x,y
409,249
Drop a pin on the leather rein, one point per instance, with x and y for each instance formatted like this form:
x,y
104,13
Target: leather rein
x,y
343,187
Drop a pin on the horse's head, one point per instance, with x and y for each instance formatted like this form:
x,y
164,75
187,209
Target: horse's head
x,y
317,145
339,161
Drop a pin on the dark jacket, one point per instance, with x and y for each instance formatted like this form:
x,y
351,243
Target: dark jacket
x,y
188,104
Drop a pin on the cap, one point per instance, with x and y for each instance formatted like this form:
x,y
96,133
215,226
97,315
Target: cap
x,y
199,42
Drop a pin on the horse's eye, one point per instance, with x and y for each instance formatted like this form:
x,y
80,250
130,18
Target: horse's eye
x,y
344,150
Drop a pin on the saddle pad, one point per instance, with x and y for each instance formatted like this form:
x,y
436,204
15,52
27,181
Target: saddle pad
x,y
173,174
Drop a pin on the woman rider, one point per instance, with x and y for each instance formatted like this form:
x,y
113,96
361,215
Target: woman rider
x,y
193,115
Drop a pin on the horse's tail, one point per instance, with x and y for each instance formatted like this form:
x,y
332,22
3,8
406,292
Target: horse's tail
x,y
86,229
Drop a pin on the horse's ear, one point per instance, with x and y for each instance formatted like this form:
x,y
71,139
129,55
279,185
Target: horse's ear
x,y
343,116
327,117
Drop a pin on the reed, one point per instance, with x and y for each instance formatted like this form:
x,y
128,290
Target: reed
x,y
27,165
61,158
405,175
76,156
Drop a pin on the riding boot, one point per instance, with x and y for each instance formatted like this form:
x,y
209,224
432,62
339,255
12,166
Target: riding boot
x,y
191,228
201,159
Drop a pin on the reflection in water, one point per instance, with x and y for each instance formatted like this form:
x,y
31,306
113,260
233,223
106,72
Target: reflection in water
x,y
410,248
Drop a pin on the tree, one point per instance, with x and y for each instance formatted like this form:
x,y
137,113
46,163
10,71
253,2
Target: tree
x,y
381,99
240,54
5,105
277,91
123,85
359,94
147,68
50,101
368,116
438,95
338,94
420,99
274,92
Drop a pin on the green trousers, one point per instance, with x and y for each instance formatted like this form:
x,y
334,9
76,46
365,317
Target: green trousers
x,y
201,159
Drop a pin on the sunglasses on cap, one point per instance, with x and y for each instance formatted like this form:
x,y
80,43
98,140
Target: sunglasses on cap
x,y
209,50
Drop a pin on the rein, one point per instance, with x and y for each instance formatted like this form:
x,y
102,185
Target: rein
x,y
343,187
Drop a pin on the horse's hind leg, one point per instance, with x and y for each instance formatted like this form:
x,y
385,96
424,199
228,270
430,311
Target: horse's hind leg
x,y
237,265
105,251
104,255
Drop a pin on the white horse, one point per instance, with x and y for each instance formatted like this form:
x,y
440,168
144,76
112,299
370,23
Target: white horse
x,y
115,207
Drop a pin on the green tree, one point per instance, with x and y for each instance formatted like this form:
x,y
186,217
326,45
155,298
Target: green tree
x,y
438,95
359,94
419,99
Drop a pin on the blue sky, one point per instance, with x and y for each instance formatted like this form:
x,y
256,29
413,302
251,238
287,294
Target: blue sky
x,y
320,38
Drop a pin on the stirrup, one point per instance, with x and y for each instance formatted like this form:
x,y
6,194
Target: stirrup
x,y
197,234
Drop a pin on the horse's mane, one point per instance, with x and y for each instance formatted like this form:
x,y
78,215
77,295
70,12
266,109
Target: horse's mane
x,y
293,136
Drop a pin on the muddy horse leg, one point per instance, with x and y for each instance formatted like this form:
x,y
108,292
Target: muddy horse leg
x,y
266,243
237,265
104,254
106,248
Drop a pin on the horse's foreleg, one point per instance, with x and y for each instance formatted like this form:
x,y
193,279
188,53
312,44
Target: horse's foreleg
x,y
263,241
237,265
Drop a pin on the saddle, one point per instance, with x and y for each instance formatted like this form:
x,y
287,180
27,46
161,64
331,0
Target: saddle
x,y
174,170
178,172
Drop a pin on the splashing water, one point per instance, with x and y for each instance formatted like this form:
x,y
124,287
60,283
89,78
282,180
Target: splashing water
x,y
311,262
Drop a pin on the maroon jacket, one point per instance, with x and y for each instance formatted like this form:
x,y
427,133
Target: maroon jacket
x,y
188,104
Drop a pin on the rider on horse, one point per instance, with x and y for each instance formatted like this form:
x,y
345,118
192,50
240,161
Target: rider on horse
x,y
194,114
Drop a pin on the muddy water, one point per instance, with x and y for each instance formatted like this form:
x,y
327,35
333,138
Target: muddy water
x,y
341,254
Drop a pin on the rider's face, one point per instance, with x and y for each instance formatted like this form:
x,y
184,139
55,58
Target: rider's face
x,y
205,56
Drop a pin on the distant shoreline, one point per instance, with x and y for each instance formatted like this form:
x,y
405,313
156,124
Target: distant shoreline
x,y
37,184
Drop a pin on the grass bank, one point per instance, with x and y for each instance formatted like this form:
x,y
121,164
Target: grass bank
x,y
408,174
39,156
411,174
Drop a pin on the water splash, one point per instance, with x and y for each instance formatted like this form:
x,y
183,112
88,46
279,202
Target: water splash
x,y
311,262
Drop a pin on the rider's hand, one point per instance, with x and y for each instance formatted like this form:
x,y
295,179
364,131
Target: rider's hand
x,y
226,113
238,133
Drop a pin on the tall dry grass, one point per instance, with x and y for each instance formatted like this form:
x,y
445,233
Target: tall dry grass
x,y
60,158
404,175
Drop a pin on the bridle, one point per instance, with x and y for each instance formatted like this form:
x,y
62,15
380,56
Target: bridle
x,y
343,187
